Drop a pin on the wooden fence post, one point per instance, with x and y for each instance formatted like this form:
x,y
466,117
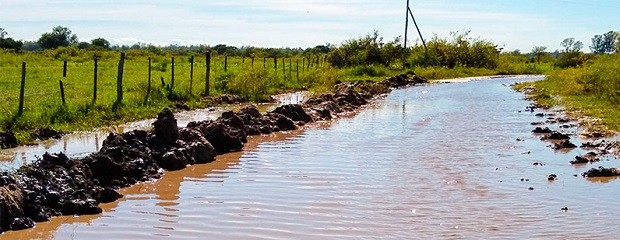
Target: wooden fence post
x,y
264,62
64,69
62,92
95,81
208,72
172,77
20,110
275,62
297,69
148,87
62,87
191,74
119,79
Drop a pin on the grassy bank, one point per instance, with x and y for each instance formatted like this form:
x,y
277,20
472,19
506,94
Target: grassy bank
x,y
593,89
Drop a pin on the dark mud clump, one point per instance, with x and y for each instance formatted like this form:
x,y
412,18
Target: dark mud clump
x,y
585,159
46,133
227,99
592,145
555,136
7,140
602,172
57,185
540,130
565,144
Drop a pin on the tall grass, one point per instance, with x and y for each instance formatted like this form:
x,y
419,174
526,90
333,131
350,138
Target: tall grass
x,y
593,88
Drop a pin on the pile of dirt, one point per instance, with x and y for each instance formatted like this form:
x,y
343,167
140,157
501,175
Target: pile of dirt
x,y
7,140
46,133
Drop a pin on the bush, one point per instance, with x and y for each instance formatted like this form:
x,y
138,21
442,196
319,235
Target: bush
x,y
254,84
369,49
460,51
572,59
319,79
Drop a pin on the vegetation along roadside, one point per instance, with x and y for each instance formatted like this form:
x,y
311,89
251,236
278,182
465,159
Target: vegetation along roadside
x,y
59,90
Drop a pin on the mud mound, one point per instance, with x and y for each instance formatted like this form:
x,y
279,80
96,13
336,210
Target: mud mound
x,y
7,140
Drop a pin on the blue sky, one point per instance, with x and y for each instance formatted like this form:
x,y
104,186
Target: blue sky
x,y
513,24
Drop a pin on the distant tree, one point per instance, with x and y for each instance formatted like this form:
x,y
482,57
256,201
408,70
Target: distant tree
x,y
319,49
60,36
101,43
604,43
224,49
84,45
155,50
570,45
31,46
9,43
539,51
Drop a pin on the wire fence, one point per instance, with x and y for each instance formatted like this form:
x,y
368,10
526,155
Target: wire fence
x,y
128,79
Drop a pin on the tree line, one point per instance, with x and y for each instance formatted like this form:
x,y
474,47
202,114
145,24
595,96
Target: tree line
x,y
61,36
571,54
460,49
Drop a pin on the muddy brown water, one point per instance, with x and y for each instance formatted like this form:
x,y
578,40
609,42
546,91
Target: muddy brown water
x,y
428,162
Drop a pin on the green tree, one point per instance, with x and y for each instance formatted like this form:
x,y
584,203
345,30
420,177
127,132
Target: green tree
x,y
83,45
9,43
570,45
539,51
604,43
60,36
101,43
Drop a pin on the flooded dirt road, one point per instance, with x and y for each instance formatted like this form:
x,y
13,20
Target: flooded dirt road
x,y
428,162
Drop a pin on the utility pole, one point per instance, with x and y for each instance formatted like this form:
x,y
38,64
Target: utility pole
x,y
406,23
409,13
